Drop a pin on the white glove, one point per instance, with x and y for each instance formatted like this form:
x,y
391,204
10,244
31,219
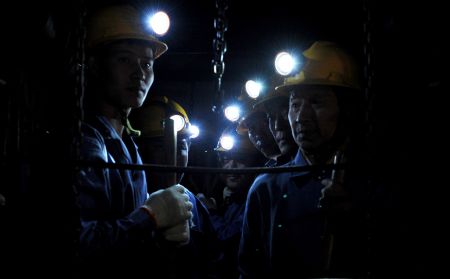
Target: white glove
x,y
169,207
227,193
179,233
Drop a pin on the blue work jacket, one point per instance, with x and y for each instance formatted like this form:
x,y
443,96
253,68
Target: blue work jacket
x,y
110,199
284,231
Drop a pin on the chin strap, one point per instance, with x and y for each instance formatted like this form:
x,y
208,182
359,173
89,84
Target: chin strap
x,y
130,131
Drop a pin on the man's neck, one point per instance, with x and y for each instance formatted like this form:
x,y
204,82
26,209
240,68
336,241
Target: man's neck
x,y
284,158
316,158
117,124
116,117
325,154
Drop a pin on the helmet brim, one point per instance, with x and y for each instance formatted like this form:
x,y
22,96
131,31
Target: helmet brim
x,y
284,89
158,46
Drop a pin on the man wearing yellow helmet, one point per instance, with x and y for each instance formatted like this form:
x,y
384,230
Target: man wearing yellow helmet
x,y
117,215
305,223
275,105
256,125
227,207
149,120
202,248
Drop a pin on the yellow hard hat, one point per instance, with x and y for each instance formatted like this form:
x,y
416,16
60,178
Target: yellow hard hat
x,y
240,143
119,23
325,64
241,128
269,95
149,118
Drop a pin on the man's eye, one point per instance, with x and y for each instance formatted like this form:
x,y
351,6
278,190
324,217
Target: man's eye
x,y
148,66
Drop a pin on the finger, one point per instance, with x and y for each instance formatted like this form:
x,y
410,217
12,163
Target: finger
x,y
186,197
180,227
189,205
189,215
179,237
179,188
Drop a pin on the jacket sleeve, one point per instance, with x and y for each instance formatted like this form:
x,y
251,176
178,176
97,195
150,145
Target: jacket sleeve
x,y
229,224
100,231
253,251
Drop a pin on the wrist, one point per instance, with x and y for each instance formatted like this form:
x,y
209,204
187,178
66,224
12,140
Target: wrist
x,y
151,214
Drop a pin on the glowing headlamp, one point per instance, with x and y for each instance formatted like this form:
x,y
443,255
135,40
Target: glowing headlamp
x,y
159,23
227,142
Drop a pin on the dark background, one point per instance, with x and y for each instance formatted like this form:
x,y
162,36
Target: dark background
x,y
39,115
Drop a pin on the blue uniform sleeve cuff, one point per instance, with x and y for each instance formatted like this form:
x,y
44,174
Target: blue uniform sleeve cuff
x,y
141,217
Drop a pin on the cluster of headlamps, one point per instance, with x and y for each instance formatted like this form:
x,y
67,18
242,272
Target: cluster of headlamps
x,y
180,123
226,142
285,64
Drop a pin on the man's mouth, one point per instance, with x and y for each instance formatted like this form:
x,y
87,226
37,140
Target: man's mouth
x,y
233,177
136,91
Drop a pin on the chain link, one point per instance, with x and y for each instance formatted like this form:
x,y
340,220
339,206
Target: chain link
x,y
219,48
79,80
80,59
368,52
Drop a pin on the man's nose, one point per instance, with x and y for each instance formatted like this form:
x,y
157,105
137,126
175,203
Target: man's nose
x,y
138,71
305,112
230,164
279,122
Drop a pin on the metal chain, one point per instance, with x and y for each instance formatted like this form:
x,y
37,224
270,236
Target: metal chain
x,y
368,52
80,59
79,81
219,48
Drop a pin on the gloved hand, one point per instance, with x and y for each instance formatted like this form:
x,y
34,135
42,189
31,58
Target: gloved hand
x,y
226,194
210,203
178,233
169,207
